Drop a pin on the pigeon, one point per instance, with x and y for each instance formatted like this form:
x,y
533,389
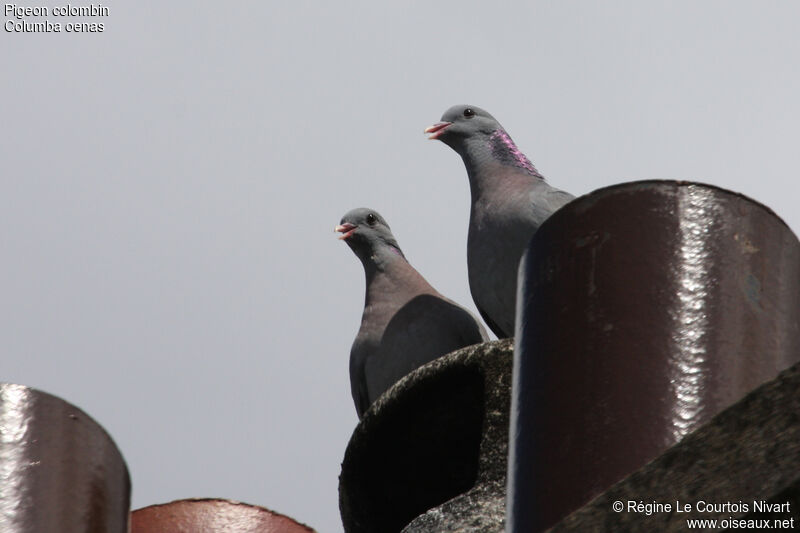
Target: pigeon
x,y
406,322
510,200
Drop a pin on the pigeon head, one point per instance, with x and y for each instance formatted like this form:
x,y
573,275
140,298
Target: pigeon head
x,y
478,137
461,123
368,235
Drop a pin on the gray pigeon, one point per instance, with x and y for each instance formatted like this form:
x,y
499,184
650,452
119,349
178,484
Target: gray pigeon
x,y
406,322
510,200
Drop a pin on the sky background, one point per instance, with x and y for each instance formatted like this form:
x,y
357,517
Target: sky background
x,y
169,189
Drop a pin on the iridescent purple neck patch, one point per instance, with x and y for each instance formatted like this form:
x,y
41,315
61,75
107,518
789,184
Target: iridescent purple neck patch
x,y
505,151
397,250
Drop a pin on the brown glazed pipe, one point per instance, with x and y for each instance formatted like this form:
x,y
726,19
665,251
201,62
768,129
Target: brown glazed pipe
x,y
212,516
60,471
644,309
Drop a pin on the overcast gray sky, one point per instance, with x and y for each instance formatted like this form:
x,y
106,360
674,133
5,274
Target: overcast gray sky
x,y
169,189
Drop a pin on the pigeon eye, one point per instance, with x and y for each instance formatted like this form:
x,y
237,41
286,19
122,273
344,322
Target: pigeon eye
x,y
371,219
469,112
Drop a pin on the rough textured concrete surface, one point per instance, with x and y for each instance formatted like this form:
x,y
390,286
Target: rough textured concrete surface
x,y
746,455
430,454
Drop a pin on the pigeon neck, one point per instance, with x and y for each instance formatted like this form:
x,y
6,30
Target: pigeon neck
x,y
384,259
485,156
505,150
391,273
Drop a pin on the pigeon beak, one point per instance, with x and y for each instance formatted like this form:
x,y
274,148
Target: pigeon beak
x,y
345,229
436,130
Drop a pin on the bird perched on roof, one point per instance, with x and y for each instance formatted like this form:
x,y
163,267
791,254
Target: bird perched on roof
x,y
406,322
510,200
